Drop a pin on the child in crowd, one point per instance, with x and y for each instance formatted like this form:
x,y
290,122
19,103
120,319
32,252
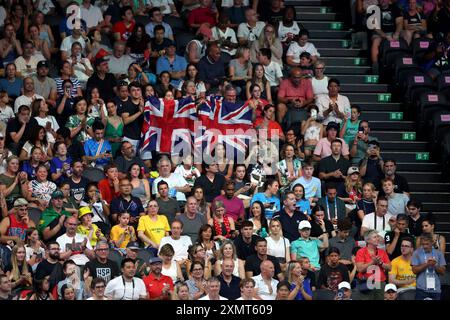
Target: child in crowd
x,y
188,170
306,65
87,228
311,131
122,233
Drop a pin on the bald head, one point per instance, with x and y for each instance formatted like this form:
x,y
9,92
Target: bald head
x,y
267,269
296,76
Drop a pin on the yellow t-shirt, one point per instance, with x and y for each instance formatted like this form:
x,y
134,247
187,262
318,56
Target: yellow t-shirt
x,y
154,230
116,233
402,270
85,231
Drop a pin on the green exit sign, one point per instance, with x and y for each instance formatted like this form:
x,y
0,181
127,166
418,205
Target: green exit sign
x,y
384,97
346,43
324,10
360,61
336,26
422,156
409,136
396,116
371,79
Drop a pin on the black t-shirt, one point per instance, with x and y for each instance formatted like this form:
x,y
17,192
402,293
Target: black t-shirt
x,y
253,263
105,86
400,185
160,46
123,164
331,277
388,17
389,237
290,224
133,129
138,46
14,126
46,268
120,104
415,227
231,291
106,271
243,249
75,150
77,189
212,189
374,173
328,164
316,229
61,231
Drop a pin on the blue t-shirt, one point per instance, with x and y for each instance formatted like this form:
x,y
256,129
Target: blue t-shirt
x,y
56,165
13,88
304,205
163,64
29,169
90,149
264,199
306,286
420,257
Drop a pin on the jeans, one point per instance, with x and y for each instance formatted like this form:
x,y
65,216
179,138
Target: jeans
x,y
422,294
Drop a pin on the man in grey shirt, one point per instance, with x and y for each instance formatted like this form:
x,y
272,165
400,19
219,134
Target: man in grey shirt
x,y
396,201
167,206
343,241
192,220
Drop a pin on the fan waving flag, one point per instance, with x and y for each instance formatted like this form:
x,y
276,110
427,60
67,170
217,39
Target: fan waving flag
x,y
224,122
168,125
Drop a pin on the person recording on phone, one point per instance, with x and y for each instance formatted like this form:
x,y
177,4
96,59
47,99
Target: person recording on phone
x,y
371,166
98,150
361,143
344,291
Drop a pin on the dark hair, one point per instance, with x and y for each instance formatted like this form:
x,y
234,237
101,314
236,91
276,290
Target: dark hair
x,y
269,182
334,80
402,217
202,229
259,239
194,263
336,141
24,106
95,281
266,52
161,183
299,185
330,186
125,261
124,10
390,160
303,32
410,240
98,125
284,283
159,27
316,208
429,217
381,198
63,289
109,166
414,203
135,84
246,223
140,171
152,11
264,223
355,106
333,250
64,132
306,55
67,262
34,135
344,224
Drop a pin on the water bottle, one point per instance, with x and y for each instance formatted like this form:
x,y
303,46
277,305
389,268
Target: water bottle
x,y
263,233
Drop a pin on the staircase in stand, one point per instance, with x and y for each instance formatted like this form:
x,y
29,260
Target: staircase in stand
x,y
396,135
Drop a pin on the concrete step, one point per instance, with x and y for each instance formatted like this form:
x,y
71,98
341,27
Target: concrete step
x,y
327,34
387,125
403,156
341,52
306,2
376,106
331,43
421,177
345,61
442,216
429,186
313,9
376,116
353,70
369,96
419,146
418,167
435,206
385,135
354,78
322,25
347,88
316,16
431,196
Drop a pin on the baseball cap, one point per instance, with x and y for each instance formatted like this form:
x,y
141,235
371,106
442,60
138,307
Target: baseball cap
x,y
352,170
390,286
20,202
155,260
42,63
1,134
99,61
304,224
344,284
332,125
57,194
133,245
84,211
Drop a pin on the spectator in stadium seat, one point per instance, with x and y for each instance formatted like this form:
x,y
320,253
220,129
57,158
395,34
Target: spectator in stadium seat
x,y
312,185
334,167
400,183
97,149
428,227
29,94
290,217
393,239
78,35
202,15
397,201
158,286
371,166
321,223
229,283
178,186
156,18
127,158
10,47
75,149
152,226
103,80
268,39
67,73
245,242
192,220
234,205
119,61
236,13
180,243
122,29
173,63
19,129
380,220
401,273
294,93
265,283
335,207
272,69
333,107
297,48
324,146
250,30
390,28
212,182
333,271
415,218
319,81
272,128
350,125
159,43
211,67
27,63
44,85
132,115
11,83
361,142
428,264
414,22
344,242
92,15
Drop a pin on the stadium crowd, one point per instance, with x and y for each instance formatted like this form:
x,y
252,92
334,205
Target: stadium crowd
x,y
330,216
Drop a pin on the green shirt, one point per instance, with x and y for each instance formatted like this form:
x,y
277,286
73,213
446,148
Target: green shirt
x,y
307,248
351,130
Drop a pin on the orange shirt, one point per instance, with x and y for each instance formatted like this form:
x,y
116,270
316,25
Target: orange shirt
x,y
274,128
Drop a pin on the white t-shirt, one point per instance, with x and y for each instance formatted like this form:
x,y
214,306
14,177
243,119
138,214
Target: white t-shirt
x,y
25,100
44,6
6,114
263,290
320,86
171,272
119,65
30,251
54,125
323,103
229,3
65,242
175,180
218,34
368,222
273,72
284,31
66,44
249,33
92,15
245,299
278,248
207,298
180,246
130,291
92,298
295,50
161,3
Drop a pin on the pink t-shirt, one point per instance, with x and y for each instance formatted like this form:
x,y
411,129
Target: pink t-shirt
x,y
235,206
323,148
303,92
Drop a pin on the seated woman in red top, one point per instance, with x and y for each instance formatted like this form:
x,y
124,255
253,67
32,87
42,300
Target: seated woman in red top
x,y
372,264
256,102
273,128
223,225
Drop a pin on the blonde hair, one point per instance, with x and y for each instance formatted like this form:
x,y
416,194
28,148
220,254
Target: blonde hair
x,y
290,267
226,242
349,184
263,38
15,272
